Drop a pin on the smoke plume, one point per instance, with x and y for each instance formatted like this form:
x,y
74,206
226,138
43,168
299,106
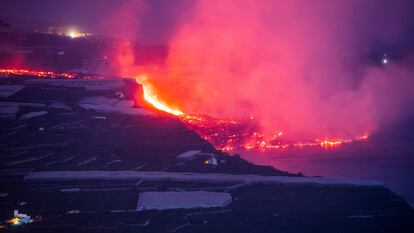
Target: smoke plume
x,y
302,67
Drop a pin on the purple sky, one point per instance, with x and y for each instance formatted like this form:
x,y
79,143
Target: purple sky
x,y
162,16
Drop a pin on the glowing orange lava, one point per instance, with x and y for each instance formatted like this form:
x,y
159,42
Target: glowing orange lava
x,y
231,134
224,134
152,98
45,74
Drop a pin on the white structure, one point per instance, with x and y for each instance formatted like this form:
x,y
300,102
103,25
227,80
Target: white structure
x,y
20,219
112,105
8,112
88,84
9,90
188,154
30,115
182,200
191,154
210,178
211,161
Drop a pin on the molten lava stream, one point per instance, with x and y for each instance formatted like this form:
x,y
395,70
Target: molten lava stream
x,y
224,134
230,134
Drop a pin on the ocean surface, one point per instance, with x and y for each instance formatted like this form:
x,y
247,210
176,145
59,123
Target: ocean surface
x,y
390,162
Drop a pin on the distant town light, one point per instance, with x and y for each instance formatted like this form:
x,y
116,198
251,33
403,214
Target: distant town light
x,y
72,33
20,219
15,221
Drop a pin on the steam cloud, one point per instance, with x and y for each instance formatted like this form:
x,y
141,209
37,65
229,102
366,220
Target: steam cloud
x,y
296,66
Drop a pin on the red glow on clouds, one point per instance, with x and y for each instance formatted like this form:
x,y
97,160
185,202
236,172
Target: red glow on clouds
x,y
268,74
275,70
224,134
232,134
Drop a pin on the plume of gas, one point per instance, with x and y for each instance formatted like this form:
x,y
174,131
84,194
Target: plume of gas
x,y
281,62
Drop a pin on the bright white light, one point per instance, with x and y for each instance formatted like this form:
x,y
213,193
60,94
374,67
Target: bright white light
x,y
72,34
384,61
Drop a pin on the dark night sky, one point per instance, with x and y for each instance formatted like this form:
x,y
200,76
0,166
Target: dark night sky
x,y
162,16
159,20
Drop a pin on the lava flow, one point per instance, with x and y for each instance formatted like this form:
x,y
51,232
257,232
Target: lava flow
x,y
44,74
152,98
41,74
224,134
232,134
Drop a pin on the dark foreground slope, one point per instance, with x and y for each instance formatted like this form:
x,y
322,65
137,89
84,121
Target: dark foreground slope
x,y
98,125
104,125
